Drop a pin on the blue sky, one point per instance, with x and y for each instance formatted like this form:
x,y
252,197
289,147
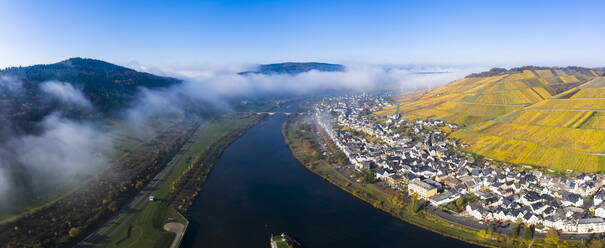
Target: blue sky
x,y
505,33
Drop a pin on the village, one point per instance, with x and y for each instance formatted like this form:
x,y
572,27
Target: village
x,y
416,157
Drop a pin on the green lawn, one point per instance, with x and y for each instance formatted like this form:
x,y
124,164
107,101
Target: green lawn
x,y
281,243
145,229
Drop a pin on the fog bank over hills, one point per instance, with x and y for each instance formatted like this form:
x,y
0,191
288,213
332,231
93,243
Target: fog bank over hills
x,y
50,111
307,77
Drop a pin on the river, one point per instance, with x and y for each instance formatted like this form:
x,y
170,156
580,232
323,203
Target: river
x,y
257,188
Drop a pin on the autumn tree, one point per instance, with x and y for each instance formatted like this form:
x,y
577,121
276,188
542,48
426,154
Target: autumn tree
x,y
515,233
415,205
528,234
594,243
460,204
395,201
368,176
73,232
552,236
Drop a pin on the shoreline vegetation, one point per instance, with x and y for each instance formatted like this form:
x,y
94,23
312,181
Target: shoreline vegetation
x,y
301,137
182,184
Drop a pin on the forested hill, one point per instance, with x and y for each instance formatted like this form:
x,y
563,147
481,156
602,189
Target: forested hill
x,y
105,85
294,68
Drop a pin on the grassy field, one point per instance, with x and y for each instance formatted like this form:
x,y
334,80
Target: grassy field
x,y
525,118
146,228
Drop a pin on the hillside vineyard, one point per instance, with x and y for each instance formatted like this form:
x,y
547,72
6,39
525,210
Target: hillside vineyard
x,y
550,117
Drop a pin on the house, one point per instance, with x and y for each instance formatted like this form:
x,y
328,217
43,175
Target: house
x,y
421,188
530,198
434,184
572,199
445,198
451,181
549,222
531,219
591,225
599,197
568,226
475,210
394,181
600,210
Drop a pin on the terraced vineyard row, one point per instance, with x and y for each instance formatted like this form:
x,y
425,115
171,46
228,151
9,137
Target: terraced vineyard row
x,y
575,139
524,152
573,119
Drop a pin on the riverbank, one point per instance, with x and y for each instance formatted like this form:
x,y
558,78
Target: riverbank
x,y
258,188
181,184
302,141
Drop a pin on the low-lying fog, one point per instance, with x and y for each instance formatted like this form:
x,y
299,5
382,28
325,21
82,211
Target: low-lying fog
x,y
67,148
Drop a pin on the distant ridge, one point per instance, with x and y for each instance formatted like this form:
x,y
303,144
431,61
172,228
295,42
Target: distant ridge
x,y
294,68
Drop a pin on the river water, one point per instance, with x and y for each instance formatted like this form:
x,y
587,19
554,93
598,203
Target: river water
x,y
257,188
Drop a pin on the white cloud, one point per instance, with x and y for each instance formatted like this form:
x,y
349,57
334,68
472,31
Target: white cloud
x,y
65,148
356,77
66,93
10,84
4,182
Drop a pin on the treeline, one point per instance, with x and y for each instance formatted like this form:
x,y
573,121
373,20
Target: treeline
x,y
500,71
67,220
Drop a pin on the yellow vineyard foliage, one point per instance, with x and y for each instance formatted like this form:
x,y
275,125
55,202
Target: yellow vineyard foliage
x,y
570,104
516,118
590,93
569,79
525,152
545,73
575,139
542,92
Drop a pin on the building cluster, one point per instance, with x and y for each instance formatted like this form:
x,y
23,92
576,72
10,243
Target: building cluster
x,y
417,157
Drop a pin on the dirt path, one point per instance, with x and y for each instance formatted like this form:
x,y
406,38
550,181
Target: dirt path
x,y
178,229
